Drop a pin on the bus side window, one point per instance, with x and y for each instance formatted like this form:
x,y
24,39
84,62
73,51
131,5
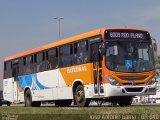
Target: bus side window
x,y
24,61
35,63
53,58
44,62
24,65
82,52
21,72
75,53
28,64
66,55
39,61
5,70
8,70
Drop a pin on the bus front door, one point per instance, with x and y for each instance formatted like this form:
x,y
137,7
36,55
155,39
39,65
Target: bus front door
x,y
97,69
15,83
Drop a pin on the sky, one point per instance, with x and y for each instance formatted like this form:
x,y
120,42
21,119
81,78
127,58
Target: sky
x,y
26,24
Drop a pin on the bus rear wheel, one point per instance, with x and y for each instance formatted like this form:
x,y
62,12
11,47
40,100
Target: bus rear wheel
x,y
28,98
79,97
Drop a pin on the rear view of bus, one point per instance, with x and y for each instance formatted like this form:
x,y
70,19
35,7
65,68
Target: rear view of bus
x,y
128,65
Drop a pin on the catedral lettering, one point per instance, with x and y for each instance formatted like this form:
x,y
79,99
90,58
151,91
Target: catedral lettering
x,y
108,64
76,69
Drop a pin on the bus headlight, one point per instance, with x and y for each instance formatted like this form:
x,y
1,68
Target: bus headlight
x,y
112,81
152,81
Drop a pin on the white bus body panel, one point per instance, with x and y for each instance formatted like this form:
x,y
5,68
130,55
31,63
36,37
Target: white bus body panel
x,y
64,91
48,85
49,79
16,93
112,91
8,89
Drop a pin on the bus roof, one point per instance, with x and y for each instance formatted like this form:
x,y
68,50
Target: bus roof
x,y
64,41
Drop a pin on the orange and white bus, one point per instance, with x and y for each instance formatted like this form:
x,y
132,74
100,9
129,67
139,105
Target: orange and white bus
x,y
109,64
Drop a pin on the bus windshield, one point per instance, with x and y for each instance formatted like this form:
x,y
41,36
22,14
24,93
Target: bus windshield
x,y
129,56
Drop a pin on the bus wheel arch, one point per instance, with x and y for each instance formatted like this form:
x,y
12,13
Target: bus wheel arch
x,y
75,84
79,95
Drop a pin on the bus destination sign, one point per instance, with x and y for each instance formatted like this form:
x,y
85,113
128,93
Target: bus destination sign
x,y
123,34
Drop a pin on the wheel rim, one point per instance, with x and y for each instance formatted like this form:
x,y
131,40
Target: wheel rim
x,y
80,96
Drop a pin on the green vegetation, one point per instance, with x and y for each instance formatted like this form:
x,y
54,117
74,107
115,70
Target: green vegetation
x,y
71,113
158,67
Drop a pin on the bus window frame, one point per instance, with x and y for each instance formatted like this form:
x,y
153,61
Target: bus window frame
x,y
61,55
56,49
8,71
76,52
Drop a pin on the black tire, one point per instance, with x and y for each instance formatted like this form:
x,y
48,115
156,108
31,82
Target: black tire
x,y
28,98
63,103
0,103
79,97
125,101
8,103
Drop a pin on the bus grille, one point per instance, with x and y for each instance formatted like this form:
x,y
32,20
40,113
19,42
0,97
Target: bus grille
x,y
133,77
131,84
139,80
137,89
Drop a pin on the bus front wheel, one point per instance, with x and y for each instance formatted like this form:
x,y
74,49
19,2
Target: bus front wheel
x,y
79,97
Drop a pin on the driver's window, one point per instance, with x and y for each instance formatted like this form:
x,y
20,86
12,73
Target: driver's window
x,y
143,54
113,50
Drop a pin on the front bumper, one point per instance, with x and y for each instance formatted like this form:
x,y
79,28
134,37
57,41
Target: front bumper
x,y
111,91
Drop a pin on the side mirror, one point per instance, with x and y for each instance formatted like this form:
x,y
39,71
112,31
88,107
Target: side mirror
x,y
155,47
155,52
